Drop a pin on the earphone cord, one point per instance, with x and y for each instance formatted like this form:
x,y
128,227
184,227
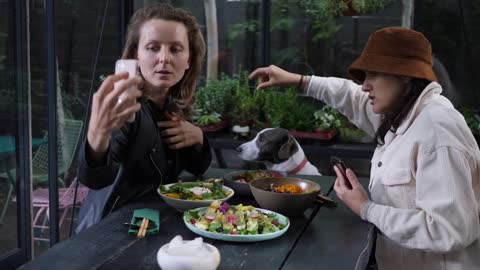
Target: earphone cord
x,y
154,143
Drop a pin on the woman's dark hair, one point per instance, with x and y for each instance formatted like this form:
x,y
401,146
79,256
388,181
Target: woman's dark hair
x,y
393,120
180,96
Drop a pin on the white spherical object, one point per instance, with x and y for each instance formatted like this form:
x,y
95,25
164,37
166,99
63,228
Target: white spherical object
x,y
188,255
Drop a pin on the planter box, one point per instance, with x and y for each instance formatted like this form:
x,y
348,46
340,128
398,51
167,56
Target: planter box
x,y
324,135
215,127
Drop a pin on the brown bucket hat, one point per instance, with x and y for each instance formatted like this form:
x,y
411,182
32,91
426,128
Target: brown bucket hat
x,y
396,51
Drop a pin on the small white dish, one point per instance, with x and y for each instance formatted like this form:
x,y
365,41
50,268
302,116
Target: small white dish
x,y
179,254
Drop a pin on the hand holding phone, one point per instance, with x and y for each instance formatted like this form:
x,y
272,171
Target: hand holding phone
x,y
343,168
130,66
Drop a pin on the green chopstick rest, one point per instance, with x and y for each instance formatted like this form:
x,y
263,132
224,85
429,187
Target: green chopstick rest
x,y
151,214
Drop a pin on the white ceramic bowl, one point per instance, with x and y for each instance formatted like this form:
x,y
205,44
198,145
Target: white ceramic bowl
x,y
183,205
207,259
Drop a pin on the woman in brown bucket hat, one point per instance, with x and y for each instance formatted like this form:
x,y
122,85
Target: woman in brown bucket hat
x,y
425,175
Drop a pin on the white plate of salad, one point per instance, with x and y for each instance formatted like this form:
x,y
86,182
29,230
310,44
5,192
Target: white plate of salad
x,y
236,223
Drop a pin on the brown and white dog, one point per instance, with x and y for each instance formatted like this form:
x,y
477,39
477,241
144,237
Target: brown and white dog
x,y
279,151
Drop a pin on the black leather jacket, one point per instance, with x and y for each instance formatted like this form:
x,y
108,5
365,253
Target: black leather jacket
x,y
136,164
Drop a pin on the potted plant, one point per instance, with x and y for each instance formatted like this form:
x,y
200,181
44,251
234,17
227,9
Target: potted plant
x,y
246,108
329,120
277,104
301,122
211,103
286,110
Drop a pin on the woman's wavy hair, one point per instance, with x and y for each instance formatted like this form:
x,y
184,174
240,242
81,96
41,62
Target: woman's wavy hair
x,y
392,121
180,97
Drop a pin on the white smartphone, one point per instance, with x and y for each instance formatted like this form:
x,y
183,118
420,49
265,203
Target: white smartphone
x,y
130,66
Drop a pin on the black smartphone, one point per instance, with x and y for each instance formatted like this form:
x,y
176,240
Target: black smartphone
x,y
343,168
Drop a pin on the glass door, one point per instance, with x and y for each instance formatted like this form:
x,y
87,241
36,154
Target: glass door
x,y
15,136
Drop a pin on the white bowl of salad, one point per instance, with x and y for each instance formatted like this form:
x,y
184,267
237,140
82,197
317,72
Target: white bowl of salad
x,y
189,195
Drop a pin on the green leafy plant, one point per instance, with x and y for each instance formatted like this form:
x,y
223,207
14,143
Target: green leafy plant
x,y
238,30
367,6
207,119
321,13
277,105
213,100
473,120
284,109
301,117
327,119
318,19
247,103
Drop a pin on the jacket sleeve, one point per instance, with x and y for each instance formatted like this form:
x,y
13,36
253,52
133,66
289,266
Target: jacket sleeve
x,y
348,98
196,160
97,175
446,216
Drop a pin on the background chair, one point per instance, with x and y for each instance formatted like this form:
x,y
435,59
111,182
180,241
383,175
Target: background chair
x,y
40,201
69,136
68,141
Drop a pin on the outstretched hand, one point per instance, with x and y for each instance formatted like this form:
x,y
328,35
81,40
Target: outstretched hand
x,y
273,76
354,197
178,133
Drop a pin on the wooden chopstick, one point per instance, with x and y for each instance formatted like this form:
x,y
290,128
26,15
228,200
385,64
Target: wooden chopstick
x,y
143,228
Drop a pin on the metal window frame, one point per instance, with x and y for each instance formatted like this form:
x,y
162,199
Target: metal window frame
x,y
266,10
52,121
126,10
23,252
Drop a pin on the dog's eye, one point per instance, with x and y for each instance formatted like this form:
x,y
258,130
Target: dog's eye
x,y
261,138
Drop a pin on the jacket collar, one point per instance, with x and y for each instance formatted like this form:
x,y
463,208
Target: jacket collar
x,y
432,89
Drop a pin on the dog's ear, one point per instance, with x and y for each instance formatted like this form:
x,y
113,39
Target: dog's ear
x,y
287,149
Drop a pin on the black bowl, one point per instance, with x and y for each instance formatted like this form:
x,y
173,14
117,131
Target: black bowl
x,y
240,188
288,204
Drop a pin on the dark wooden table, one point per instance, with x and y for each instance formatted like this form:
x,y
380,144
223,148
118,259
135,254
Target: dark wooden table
x,y
320,238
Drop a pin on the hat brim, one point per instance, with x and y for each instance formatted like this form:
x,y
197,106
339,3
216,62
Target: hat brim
x,y
390,65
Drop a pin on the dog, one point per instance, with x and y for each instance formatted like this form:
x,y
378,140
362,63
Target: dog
x,y
279,151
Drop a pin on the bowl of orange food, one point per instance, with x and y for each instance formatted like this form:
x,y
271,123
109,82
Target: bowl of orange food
x,y
285,195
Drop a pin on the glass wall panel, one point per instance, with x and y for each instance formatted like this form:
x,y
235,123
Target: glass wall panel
x,y
8,131
453,27
87,45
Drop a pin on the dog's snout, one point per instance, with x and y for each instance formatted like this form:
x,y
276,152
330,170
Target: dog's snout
x,y
239,149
